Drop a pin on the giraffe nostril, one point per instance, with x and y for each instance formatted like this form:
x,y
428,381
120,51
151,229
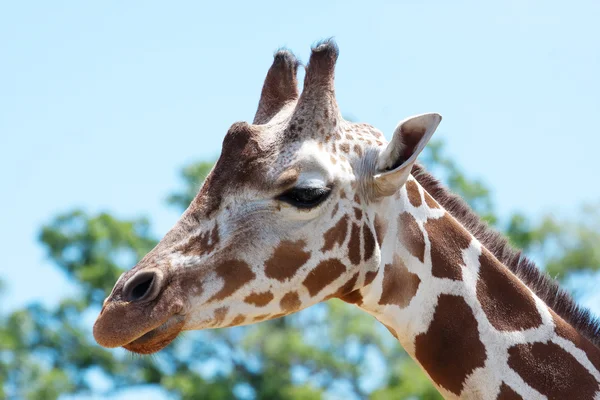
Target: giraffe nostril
x,y
142,286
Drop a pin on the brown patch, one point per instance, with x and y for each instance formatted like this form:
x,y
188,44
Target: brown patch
x,y
235,274
505,300
368,241
451,349
354,245
431,203
219,316
358,213
411,235
261,317
326,272
546,288
399,284
202,244
342,194
274,316
552,371
259,299
448,239
345,148
287,258
358,150
290,302
506,393
380,229
414,196
347,287
369,276
333,160
239,319
566,331
336,234
356,197
354,297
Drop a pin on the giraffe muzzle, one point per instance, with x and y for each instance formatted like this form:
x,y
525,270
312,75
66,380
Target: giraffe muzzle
x,y
143,315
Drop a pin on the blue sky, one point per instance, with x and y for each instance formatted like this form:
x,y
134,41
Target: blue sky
x,y
102,103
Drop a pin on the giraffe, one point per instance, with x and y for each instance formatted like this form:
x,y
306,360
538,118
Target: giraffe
x,y
303,206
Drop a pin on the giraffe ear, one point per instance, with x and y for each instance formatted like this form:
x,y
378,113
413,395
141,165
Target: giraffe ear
x,y
395,162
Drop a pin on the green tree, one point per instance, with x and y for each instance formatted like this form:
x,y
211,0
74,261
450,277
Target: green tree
x,y
329,348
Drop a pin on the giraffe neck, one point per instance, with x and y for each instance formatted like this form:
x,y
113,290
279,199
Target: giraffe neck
x,y
472,325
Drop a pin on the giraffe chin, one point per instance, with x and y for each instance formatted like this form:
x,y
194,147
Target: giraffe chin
x,y
158,338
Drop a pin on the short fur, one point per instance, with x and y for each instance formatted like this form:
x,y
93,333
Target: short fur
x,y
540,282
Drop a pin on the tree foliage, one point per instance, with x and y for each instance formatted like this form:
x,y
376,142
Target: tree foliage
x,y
329,348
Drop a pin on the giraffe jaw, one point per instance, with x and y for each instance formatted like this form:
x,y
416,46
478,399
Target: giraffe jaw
x,y
157,338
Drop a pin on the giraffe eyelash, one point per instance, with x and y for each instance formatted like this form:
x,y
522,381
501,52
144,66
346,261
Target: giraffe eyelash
x,y
305,198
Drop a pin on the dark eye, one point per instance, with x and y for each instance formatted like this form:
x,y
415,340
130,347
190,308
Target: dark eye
x,y
305,197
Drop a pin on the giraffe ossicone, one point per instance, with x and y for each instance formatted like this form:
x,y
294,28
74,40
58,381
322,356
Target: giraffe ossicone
x,y
303,206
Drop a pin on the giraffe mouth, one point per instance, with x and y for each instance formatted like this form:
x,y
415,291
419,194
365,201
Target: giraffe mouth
x,y
157,338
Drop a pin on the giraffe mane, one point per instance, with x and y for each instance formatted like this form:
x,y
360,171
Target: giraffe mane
x,y
544,286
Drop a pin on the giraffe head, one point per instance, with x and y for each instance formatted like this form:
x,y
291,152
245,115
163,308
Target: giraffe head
x,y
281,223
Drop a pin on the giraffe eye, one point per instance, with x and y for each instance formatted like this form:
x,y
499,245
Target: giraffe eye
x,y
305,197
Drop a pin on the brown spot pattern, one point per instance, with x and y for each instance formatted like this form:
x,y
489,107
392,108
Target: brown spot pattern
x,y
202,244
412,190
335,234
505,300
399,284
566,331
358,150
451,349
326,272
354,245
239,319
354,297
431,203
357,213
369,276
261,317
290,302
506,393
348,287
368,241
235,274
219,316
286,260
259,299
448,239
411,235
552,371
